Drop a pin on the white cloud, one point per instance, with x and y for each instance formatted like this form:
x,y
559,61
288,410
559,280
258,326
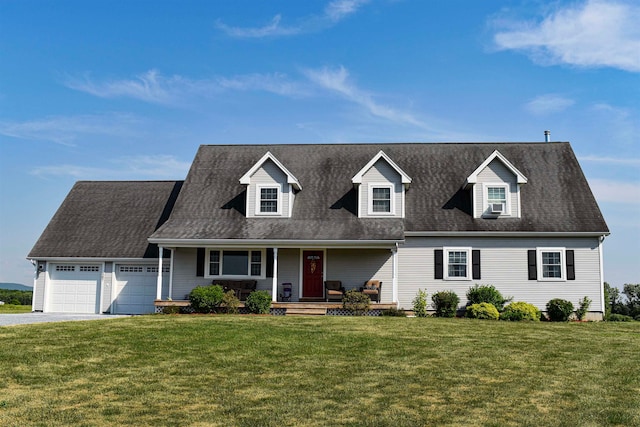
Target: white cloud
x,y
547,104
598,33
179,91
337,80
333,13
66,130
616,191
130,167
620,161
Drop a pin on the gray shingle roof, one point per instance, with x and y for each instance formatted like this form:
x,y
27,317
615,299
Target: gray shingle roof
x,y
110,219
556,198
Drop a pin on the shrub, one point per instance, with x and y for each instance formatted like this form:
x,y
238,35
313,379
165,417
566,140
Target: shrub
x,y
559,310
14,301
517,311
230,302
615,317
206,299
484,310
581,312
171,309
356,302
258,302
445,303
420,304
394,312
486,293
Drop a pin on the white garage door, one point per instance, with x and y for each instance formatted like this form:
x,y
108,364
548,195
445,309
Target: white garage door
x,y
73,288
136,288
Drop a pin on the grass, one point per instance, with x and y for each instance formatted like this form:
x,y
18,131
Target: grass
x,y
11,309
344,371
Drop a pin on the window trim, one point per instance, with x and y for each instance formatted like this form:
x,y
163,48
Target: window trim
x,y
258,200
392,206
563,264
445,262
263,263
486,211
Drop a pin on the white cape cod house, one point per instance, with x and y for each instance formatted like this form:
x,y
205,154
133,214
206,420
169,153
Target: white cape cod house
x,y
519,216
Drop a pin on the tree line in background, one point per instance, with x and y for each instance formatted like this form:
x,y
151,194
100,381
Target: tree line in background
x,y
14,297
623,305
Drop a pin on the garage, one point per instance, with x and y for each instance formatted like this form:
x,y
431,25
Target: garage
x,y
74,288
136,288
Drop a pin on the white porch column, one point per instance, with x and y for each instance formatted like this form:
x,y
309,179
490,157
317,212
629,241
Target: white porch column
x,y
159,282
171,274
394,274
274,284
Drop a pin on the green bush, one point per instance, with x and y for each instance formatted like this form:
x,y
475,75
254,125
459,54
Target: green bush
x,y
171,309
420,304
517,311
258,302
10,296
206,299
486,293
483,310
559,310
615,317
445,303
581,312
356,302
230,302
394,312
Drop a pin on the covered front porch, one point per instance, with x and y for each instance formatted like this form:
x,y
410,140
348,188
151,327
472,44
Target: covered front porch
x,y
291,274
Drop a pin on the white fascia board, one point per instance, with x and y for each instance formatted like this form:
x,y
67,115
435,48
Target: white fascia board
x,y
473,178
257,243
357,179
96,259
246,178
503,234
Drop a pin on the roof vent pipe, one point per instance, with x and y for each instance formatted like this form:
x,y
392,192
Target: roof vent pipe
x,y
547,136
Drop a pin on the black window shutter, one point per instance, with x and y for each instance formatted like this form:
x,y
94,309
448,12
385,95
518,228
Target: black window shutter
x,y
269,262
475,261
533,269
438,263
200,263
571,269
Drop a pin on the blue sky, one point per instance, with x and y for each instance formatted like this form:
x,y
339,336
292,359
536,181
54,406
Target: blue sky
x,y
118,90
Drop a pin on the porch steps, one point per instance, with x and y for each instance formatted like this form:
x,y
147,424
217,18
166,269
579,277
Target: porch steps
x,y
306,311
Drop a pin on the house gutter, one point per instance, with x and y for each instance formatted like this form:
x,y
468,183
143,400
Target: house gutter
x,y
195,243
505,234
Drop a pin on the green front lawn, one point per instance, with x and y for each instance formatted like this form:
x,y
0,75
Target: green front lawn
x,y
10,308
290,371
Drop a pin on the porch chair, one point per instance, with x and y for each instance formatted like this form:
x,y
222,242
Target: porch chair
x,y
372,288
333,290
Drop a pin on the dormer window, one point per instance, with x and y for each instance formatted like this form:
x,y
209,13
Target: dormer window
x,y
381,201
269,200
497,197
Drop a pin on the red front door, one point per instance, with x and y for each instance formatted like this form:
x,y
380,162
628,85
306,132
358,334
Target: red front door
x,y
312,274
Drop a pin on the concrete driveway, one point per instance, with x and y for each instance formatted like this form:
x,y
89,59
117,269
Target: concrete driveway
x,y
25,318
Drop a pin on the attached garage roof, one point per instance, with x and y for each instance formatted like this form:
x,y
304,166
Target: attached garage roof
x,y
108,219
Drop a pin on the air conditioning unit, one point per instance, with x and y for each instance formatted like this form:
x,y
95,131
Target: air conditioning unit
x,y
497,208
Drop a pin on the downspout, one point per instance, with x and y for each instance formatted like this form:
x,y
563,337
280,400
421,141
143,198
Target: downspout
x,y
604,310
35,282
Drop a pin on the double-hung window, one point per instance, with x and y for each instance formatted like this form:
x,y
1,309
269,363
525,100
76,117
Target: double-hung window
x,y
381,199
457,263
236,263
269,198
497,202
551,264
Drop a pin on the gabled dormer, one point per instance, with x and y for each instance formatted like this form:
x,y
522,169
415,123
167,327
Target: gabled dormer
x,y
271,188
495,188
381,186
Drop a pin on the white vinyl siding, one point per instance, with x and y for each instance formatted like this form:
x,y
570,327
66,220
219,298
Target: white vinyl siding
x,y
269,175
494,175
381,175
107,287
504,265
39,287
355,266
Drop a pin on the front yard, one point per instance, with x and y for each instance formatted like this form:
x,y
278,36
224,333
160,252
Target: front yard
x,y
278,371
